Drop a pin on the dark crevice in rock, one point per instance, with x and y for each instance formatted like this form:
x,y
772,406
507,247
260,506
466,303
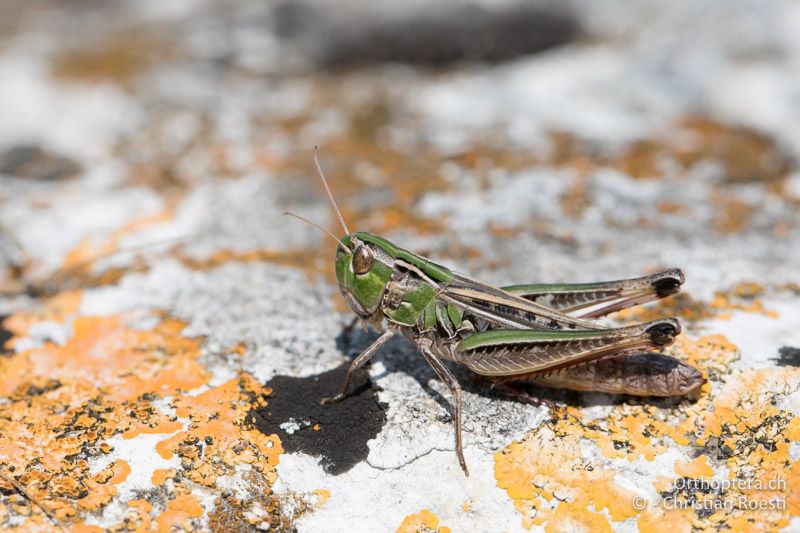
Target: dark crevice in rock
x,y
31,161
5,336
439,36
337,433
788,356
38,390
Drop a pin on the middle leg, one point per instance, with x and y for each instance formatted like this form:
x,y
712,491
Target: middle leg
x,y
450,380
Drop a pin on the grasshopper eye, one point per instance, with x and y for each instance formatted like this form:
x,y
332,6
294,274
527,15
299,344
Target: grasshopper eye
x,y
362,260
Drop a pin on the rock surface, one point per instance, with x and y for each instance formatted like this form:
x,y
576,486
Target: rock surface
x,y
166,333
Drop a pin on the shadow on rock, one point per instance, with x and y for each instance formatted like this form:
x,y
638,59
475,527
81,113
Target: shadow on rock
x,y
337,433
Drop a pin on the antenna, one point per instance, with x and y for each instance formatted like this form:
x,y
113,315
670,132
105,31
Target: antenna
x,y
330,194
295,215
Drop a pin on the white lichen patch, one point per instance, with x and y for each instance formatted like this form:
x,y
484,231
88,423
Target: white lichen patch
x,y
434,481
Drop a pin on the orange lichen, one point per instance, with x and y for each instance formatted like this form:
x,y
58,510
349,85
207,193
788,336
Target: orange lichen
x,y
239,349
85,253
77,268
710,353
424,522
105,353
698,468
162,426
671,207
118,59
723,301
746,154
404,179
660,520
731,214
643,159
69,399
121,471
137,518
571,517
99,489
309,260
83,528
161,475
322,497
743,297
681,305
179,513
546,467
576,198
89,250
264,510
57,309
793,430
551,481
218,420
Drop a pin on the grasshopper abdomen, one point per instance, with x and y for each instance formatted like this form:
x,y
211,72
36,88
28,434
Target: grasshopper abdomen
x,y
645,374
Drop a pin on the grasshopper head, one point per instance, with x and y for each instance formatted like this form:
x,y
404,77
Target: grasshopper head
x,y
363,268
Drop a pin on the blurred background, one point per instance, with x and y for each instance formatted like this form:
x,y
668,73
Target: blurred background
x,y
524,141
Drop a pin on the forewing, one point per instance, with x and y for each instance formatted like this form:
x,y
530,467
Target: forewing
x,y
502,309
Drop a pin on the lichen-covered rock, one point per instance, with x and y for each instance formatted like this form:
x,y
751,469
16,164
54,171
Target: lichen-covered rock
x,y
166,333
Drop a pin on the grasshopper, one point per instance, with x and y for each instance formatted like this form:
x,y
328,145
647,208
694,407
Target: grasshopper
x,y
546,334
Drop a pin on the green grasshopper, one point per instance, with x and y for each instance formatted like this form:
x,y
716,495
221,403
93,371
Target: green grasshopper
x,y
545,333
